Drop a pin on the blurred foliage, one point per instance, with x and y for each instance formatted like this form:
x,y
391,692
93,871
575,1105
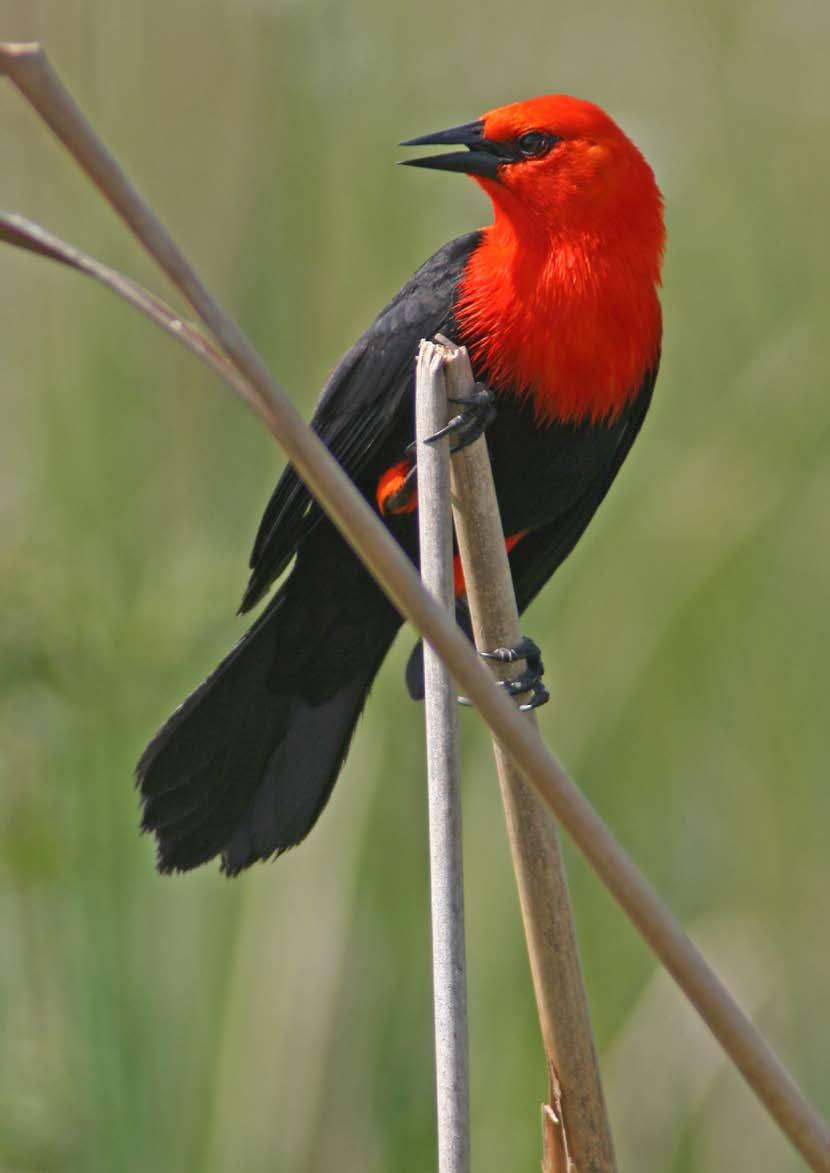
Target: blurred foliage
x,y
282,1021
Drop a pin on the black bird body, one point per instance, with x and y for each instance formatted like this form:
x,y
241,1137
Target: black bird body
x,y
244,767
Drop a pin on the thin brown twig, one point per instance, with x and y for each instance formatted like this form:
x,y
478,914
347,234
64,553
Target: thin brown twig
x,y
28,69
26,234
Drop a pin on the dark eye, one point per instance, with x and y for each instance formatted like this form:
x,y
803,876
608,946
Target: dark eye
x,y
536,143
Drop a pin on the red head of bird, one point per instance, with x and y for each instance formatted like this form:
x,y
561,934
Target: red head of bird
x,y
561,297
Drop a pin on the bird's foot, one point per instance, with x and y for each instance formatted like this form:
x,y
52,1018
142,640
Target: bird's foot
x,y
396,490
529,681
477,413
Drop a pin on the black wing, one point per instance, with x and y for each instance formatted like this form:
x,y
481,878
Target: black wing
x,y
361,403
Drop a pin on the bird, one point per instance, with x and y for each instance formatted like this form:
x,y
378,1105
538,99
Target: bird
x,y
557,302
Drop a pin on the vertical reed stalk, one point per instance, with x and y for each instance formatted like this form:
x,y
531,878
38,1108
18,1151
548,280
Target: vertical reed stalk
x,y
577,1135
449,967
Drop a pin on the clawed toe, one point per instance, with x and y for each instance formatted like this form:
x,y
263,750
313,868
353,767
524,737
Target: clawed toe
x,y
527,682
526,649
530,681
476,415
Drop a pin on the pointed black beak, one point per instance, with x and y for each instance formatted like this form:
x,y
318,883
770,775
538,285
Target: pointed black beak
x,y
480,158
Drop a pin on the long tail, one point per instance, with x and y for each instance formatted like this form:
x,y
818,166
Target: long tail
x,y
245,766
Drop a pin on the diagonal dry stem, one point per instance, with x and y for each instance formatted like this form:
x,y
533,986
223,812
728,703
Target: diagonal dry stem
x,y
25,234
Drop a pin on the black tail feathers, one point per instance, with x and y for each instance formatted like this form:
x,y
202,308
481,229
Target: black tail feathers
x,y
246,764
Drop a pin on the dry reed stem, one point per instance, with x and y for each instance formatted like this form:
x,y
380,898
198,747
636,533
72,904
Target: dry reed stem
x,y
449,967
577,1132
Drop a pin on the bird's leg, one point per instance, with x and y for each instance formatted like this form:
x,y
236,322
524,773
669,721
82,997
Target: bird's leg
x,y
529,681
396,488
403,498
477,413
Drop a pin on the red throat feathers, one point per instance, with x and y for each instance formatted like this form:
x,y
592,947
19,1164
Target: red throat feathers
x,y
560,300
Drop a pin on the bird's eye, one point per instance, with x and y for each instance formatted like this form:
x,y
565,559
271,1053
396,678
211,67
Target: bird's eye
x,y
536,143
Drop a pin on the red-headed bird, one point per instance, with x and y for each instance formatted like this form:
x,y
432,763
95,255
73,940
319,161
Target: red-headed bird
x,y
557,303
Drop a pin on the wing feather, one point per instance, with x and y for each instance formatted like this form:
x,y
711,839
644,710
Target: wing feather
x,y
361,403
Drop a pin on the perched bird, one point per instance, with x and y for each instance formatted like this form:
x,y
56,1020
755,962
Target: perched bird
x,y
557,303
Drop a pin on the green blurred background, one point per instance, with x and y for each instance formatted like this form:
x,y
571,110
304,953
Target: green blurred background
x,y
282,1021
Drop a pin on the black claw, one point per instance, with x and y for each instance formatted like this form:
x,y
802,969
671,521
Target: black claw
x,y
525,649
477,413
540,697
530,680
520,684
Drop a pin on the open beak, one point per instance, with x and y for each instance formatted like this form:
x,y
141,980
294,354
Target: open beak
x,y
480,157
